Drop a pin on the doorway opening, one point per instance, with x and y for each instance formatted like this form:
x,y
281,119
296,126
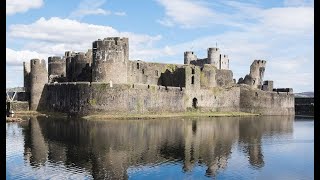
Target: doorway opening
x,y
195,103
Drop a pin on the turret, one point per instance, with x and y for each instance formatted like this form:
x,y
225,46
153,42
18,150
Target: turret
x,y
224,62
38,78
110,57
75,66
57,66
189,56
214,57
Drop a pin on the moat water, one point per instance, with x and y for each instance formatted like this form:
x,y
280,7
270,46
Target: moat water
x,y
268,147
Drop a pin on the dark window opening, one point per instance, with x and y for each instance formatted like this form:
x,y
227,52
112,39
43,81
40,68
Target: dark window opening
x,y
148,86
192,80
195,103
137,65
142,71
192,71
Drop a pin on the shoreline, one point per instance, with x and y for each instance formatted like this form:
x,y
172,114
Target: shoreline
x,y
166,115
101,116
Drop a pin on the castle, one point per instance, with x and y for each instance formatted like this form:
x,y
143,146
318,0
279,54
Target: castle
x,y
104,80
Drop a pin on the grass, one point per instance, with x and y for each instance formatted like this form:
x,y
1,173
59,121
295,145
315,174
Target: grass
x,y
39,113
168,115
102,116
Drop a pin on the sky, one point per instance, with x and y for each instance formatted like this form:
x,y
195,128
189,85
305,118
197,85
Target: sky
x,y
280,32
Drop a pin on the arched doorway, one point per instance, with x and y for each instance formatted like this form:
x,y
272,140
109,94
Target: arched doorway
x,y
195,103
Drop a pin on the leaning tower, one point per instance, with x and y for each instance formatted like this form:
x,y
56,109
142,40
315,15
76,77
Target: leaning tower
x,y
38,78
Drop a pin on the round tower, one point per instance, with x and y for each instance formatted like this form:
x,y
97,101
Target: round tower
x,y
110,57
57,66
38,78
214,57
189,56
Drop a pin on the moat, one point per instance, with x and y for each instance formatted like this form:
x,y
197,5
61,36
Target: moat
x,y
252,147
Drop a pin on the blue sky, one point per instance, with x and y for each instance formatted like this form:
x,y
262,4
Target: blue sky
x,y
281,32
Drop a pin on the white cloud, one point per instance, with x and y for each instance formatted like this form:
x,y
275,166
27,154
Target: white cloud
x,y
195,14
56,35
89,7
289,19
120,13
273,34
185,12
21,6
165,22
16,58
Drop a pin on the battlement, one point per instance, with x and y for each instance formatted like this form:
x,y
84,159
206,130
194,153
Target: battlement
x,y
213,49
55,59
69,54
188,52
37,63
260,62
111,42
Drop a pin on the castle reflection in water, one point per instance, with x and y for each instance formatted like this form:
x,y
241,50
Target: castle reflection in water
x,y
107,149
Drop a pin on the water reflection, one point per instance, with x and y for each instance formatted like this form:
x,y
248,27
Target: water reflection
x,y
107,149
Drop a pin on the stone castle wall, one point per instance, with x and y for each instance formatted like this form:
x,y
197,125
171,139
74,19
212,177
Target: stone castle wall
x,y
265,102
86,98
155,74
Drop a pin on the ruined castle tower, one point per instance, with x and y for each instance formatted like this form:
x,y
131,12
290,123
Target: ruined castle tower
x,y
255,78
224,62
217,59
257,69
38,78
214,57
77,64
189,56
110,57
56,66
